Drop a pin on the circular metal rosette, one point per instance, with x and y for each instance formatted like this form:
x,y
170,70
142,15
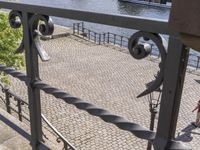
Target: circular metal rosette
x,y
42,23
141,50
15,18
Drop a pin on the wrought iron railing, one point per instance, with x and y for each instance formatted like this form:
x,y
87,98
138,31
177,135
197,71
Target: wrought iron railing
x,y
35,20
99,38
15,103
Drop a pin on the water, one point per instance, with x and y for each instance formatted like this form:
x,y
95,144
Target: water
x,y
104,6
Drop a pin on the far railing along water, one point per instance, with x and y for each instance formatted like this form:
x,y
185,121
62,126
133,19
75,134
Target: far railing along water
x,y
100,38
122,41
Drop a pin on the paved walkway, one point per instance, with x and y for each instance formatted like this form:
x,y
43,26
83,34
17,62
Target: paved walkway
x,y
9,138
112,80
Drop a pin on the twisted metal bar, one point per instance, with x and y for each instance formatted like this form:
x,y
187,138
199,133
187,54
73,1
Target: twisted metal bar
x,y
11,71
105,115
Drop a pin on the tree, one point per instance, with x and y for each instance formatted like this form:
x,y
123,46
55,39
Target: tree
x,y
9,41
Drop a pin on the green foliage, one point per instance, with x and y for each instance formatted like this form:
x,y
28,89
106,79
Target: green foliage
x,y
9,41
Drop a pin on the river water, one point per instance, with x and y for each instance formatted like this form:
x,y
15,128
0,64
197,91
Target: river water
x,y
104,6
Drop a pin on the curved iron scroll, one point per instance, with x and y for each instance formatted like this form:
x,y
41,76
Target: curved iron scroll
x,y
139,51
39,25
15,18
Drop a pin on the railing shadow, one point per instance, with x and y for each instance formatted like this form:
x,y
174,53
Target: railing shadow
x,y
187,134
22,132
15,127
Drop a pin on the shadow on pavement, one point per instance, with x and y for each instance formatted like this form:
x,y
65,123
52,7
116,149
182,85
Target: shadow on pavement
x,y
198,81
186,134
15,127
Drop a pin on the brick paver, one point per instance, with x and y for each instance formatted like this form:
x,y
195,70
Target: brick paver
x,y
109,79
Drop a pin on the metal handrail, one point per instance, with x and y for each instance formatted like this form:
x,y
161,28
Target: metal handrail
x,y
60,136
135,22
99,37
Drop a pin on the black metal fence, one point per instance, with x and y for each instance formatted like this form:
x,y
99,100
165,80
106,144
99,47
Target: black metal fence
x,y
16,104
35,19
194,61
122,41
100,38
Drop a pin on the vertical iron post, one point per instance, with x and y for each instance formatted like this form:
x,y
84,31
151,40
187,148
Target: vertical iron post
x,y
78,26
174,75
114,39
163,1
154,100
121,41
89,34
153,115
197,62
99,39
84,33
95,37
104,38
7,96
73,28
82,27
108,37
19,109
32,71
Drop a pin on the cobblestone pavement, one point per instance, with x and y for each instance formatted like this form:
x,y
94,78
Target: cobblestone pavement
x,y
109,79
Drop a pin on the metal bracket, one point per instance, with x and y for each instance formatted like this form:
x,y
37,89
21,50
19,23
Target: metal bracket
x,y
41,51
142,53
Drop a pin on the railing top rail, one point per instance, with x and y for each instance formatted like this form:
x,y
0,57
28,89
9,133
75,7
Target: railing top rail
x,y
119,35
17,97
125,21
